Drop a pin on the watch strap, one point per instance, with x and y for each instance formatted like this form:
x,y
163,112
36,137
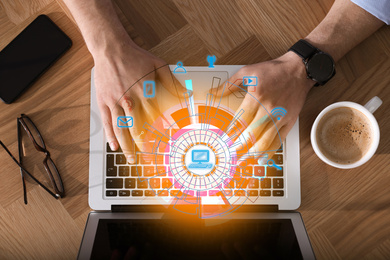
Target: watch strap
x,y
303,49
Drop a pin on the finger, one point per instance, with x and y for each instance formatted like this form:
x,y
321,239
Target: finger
x,y
143,115
105,114
122,133
128,106
231,85
247,110
270,148
260,146
169,82
250,135
279,139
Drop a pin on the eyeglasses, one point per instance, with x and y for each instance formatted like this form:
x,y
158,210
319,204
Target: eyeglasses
x,y
24,122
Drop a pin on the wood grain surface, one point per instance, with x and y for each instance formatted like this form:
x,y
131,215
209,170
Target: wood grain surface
x,y
346,212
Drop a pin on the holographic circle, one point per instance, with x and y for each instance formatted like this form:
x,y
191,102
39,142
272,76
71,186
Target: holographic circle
x,y
188,125
185,143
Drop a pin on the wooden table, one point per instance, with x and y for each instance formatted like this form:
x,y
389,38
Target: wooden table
x,y
346,212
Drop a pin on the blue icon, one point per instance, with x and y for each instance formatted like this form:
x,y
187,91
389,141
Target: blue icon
x,y
278,112
149,88
211,60
249,81
179,68
124,121
271,163
199,157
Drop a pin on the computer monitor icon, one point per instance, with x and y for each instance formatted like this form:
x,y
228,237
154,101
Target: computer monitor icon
x,y
200,156
200,159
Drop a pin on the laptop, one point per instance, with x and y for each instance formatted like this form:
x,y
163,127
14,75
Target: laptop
x,y
186,188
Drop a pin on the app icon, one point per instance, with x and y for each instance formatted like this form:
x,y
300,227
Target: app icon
x,y
179,68
149,88
249,81
125,121
278,112
211,60
200,159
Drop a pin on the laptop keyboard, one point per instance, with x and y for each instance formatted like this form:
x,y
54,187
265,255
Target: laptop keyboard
x,y
126,180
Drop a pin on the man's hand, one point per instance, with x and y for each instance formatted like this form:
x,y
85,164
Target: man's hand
x,y
119,76
121,67
282,82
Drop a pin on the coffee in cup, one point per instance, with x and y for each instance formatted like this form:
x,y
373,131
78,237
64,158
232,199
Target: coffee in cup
x,y
345,134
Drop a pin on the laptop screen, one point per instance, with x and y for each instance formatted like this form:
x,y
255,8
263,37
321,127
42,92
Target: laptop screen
x,y
210,239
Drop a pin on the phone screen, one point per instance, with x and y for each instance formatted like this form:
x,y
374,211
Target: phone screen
x,y
23,60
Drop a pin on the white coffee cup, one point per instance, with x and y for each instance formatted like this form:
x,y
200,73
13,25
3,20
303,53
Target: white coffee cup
x,y
368,109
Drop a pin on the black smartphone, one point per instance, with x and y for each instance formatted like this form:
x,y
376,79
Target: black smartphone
x,y
27,56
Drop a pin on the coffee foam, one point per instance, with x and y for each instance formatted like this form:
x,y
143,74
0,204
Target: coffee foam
x,y
344,135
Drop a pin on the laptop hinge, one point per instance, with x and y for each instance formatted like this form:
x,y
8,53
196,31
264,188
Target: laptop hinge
x,y
258,208
160,208
138,208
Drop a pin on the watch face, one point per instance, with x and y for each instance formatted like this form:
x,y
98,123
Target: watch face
x,y
320,67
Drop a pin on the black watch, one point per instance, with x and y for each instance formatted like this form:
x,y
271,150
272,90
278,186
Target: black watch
x,y
320,66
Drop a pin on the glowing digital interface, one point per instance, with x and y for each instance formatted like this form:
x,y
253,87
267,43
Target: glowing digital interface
x,y
199,155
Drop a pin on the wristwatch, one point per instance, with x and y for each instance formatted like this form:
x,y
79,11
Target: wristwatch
x,y
320,66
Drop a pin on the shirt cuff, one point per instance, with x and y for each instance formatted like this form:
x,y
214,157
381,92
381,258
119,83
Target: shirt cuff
x,y
378,8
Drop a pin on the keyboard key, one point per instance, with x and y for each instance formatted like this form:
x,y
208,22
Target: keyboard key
x,y
166,183
124,193
146,158
266,183
110,168
272,171
154,183
130,183
114,183
259,171
161,170
111,193
201,193
136,171
278,183
265,193
247,171
176,193
150,193
163,193
166,159
228,193
162,148
178,185
108,149
253,183
190,193
232,184
124,170
111,171
253,193
120,159
213,192
240,193
278,193
278,158
142,183
149,171
137,193
159,159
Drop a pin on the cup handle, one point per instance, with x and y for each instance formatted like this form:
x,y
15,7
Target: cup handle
x,y
373,104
